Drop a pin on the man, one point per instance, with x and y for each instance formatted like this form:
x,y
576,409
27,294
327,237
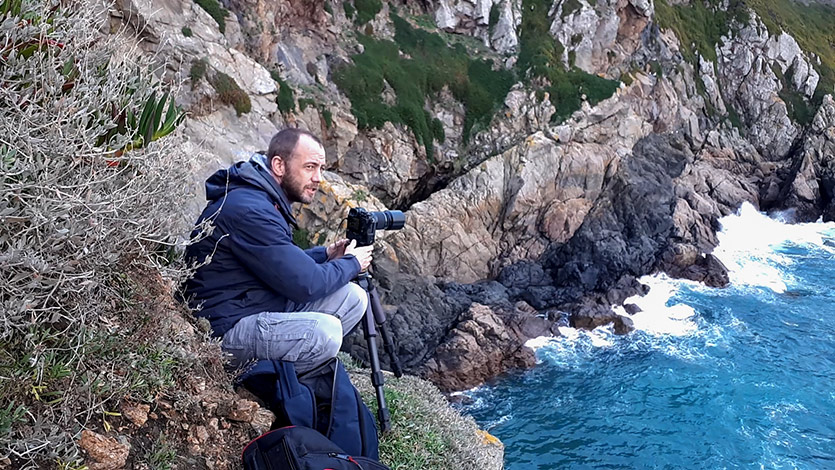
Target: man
x,y
262,294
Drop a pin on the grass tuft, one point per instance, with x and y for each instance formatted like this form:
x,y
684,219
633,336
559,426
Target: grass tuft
x,y
286,99
230,93
426,432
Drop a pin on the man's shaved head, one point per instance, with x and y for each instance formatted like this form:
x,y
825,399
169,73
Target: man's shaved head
x,y
284,143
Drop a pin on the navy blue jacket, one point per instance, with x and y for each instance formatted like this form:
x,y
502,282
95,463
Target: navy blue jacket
x,y
254,265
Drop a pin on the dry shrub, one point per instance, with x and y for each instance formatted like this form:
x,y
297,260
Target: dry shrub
x,y
83,228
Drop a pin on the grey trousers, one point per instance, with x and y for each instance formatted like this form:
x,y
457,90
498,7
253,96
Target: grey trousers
x,y
307,334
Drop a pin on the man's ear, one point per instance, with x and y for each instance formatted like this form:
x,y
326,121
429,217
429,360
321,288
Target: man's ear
x,y
277,166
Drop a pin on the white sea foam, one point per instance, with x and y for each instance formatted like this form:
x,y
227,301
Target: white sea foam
x,y
750,244
656,317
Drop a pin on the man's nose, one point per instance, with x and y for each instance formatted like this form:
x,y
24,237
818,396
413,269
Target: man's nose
x,y
317,176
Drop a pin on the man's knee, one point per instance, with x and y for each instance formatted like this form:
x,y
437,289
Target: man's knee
x,y
358,299
327,338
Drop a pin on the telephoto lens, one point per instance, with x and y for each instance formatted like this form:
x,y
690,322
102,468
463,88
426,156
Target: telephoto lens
x,y
389,220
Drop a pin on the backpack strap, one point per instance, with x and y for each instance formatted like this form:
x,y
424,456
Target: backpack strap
x,y
275,383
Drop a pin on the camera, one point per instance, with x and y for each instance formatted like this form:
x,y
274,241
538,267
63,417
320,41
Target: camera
x,y
362,224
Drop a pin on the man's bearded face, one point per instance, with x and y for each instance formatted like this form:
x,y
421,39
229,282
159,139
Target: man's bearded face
x,y
303,171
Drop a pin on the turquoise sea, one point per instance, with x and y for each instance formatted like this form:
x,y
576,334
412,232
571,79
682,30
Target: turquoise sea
x,y
735,378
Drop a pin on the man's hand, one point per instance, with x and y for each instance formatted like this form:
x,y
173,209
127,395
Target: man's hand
x,y
337,249
362,253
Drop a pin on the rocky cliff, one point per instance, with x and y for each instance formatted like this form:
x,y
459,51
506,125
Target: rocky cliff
x,y
547,153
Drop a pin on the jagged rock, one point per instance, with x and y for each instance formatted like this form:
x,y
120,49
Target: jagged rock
x,y
523,199
707,269
385,161
504,38
600,35
630,224
419,314
136,413
241,410
105,453
747,63
810,188
482,344
261,20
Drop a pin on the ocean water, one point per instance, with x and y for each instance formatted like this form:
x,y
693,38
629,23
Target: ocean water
x,y
741,377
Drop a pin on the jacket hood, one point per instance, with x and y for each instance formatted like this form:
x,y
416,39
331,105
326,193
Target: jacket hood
x,y
251,173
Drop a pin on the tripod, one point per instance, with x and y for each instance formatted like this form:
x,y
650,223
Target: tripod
x,y
374,321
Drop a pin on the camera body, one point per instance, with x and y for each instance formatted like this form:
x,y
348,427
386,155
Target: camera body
x,y
363,224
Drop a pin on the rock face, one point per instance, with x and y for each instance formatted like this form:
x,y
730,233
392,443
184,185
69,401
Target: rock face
x,y
812,190
749,64
483,342
629,224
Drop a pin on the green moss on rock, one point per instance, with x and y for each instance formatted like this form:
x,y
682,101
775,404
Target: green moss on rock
x,y
431,66
540,57
367,10
230,93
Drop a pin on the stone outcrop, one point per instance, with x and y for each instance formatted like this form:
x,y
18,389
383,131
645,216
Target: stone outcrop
x,y
748,65
484,341
811,192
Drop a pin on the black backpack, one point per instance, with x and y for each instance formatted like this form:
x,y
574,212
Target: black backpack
x,y
322,399
301,448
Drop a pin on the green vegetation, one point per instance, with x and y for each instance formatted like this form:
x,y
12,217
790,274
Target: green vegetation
x,y
329,8
162,455
327,116
198,70
734,119
438,130
359,195
367,10
216,11
570,6
187,31
426,433
699,25
350,11
286,99
230,93
494,17
431,66
539,56
796,104
812,25
304,103
301,238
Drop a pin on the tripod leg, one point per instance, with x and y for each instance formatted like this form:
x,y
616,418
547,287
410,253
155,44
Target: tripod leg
x,y
380,319
370,331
